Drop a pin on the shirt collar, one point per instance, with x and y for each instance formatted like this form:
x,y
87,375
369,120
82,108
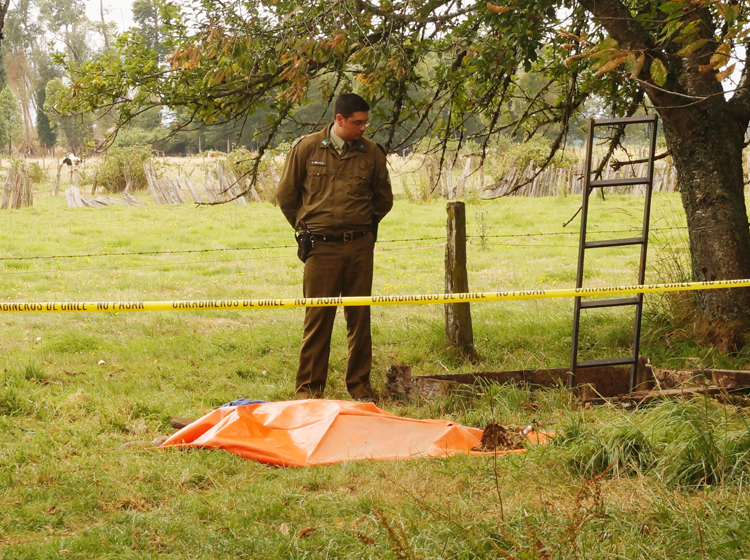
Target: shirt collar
x,y
338,143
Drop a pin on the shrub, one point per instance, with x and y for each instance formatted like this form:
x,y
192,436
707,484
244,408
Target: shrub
x,y
33,170
121,168
536,152
36,173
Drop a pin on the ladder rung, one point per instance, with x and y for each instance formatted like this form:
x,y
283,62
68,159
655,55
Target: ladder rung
x,y
625,120
609,302
605,362
614,242
625,181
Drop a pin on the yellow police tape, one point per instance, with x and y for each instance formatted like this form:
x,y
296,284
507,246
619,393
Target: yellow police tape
x,y
204,305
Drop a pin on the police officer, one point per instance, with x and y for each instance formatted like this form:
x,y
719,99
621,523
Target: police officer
x,y
335,184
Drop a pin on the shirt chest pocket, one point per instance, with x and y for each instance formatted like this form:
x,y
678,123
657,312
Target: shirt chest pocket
x,y
362,175
317,177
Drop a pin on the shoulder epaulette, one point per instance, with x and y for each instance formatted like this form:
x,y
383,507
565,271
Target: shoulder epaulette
x,y
298,140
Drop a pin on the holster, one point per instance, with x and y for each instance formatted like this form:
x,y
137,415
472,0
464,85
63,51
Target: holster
x,y
305,241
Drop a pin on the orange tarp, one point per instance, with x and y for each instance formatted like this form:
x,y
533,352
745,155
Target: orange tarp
x,y
323,432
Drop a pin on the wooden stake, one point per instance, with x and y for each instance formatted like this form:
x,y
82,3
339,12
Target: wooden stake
x,y
458,327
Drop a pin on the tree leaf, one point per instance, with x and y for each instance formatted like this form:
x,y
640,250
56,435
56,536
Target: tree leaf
x,y
608,43
721,56
688,32
658,72
720,76
731,13
671,7
611,65
498,9
630,62
638,66
689,49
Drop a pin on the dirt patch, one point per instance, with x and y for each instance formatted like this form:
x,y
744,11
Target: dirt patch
x,y
497,437
399,381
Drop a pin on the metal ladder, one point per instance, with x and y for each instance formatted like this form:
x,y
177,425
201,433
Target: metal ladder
x,y
637,301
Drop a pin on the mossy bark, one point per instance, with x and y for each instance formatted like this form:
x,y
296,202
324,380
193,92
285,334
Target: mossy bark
x,y
706,146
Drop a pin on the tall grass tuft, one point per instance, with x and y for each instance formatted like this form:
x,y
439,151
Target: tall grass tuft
x,y
14,392
673,319
691,443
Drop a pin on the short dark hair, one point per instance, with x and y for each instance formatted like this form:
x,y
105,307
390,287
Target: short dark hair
x,y
349,103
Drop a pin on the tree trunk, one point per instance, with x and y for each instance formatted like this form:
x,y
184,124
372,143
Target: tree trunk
x,y
705,134
706,146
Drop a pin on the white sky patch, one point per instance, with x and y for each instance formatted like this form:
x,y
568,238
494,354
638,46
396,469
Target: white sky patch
x,y
118,11
732,81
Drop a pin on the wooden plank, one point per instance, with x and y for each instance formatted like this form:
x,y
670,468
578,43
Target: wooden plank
x,y
232,185
252,194
727,378
192,190
167,192
70,199
7,191
170,192
177,190
130,200
150,182
163,197
57,178
29,192
606,381
15,195
74,196
647,396
110,201
92,203
209,188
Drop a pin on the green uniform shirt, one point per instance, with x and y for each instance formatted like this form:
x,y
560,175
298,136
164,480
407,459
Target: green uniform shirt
x,y
334,193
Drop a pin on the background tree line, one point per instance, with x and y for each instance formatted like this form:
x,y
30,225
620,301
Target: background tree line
x,y
37,32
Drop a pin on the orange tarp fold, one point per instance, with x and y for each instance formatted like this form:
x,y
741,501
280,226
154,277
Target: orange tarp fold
x,y
323,432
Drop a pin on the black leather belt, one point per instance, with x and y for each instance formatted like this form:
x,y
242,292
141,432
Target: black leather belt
x,y
348,237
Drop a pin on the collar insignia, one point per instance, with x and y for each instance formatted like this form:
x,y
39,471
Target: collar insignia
x,y
325,143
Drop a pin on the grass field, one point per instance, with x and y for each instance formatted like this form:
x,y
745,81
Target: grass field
x,y
83,395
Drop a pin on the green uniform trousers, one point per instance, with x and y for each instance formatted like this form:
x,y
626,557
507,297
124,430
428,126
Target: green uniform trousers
x,y
337,269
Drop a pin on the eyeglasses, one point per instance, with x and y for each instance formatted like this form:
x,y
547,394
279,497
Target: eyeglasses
x,y
358,124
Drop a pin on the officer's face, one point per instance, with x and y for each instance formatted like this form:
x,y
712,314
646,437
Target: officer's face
x,y
352,128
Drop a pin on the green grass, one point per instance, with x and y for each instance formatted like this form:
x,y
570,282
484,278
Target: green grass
x,y
82,396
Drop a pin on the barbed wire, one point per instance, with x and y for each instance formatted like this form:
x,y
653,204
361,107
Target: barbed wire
x,y
289,246
291,256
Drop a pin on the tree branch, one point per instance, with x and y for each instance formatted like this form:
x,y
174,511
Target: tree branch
x,y
616,18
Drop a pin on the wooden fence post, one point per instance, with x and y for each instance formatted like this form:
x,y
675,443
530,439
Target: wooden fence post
x,y
57,179
458,328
